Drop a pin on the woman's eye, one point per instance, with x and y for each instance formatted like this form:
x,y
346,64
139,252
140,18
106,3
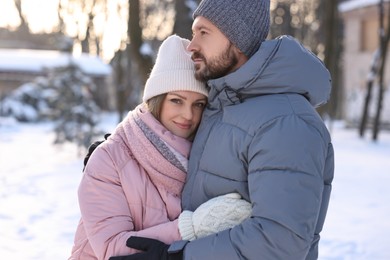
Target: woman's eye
x,y
200,105
176,100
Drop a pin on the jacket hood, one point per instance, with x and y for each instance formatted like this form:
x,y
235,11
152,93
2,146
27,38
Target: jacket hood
x,y
281,65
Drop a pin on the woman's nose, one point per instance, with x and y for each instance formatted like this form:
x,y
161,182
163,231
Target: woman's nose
x,y
187,113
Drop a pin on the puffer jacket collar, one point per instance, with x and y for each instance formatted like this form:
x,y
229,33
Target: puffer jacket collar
x,y
281,65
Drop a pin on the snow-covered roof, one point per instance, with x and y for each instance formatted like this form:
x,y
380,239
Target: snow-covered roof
x,y
356,4
37,60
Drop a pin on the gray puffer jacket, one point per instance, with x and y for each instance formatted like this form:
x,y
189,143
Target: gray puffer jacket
x,y
261,137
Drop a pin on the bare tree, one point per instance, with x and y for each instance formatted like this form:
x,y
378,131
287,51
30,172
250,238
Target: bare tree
x,y
22,37
377,72
135,35
370,82
297,18
330,30
23,22
122,82
83,14
183,21
384,42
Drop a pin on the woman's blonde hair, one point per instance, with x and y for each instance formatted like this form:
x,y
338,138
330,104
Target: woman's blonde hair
x,y
154,105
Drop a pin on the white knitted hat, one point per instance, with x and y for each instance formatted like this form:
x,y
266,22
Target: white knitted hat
x,y
173,71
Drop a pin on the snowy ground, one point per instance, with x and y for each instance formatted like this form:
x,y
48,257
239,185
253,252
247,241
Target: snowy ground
x,y
39,211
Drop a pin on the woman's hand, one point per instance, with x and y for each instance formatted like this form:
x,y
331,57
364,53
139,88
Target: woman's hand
x,y
217,214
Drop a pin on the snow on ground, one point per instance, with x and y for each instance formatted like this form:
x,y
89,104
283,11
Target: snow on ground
x,y
39,210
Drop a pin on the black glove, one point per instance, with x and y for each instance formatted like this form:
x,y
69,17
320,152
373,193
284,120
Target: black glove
x,y
92,148
154,250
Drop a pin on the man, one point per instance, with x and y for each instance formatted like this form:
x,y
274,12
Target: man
x,y
260,136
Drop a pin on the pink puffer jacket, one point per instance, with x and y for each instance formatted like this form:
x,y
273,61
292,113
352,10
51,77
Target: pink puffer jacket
x,y
129,190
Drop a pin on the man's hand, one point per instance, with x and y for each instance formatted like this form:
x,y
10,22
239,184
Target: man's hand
x,y
153,249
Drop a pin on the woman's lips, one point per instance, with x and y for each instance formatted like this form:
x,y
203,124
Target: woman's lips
x,y
183,126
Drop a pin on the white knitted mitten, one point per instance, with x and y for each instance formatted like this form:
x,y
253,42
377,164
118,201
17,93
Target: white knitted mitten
x,y
215,215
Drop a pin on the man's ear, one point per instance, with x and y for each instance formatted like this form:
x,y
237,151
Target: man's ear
x,y
242,58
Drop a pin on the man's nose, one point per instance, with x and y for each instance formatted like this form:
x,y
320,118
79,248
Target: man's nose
x,y
192,46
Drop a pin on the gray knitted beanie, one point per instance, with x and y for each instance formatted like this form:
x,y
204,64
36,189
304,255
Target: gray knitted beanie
x,y
244,22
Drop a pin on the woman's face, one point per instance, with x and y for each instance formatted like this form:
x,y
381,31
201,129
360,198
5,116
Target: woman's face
x,y
181,112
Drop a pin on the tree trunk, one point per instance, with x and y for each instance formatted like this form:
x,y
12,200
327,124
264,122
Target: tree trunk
x,y
183,21
332,49
367,100
119,81
144,62
384,43
377,62
23,22
85,41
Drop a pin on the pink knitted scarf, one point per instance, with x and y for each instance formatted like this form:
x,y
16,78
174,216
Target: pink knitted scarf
x,y
161,161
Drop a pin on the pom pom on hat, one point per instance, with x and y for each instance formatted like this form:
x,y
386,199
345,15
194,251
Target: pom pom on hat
x,y
173,71
244,22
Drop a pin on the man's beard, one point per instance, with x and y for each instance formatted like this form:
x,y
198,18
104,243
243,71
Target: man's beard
x,y
216,67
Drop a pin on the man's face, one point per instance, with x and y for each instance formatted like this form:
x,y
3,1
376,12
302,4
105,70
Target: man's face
x,y
213,54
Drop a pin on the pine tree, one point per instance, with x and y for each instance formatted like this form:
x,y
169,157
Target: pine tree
x,y
64,96
75,112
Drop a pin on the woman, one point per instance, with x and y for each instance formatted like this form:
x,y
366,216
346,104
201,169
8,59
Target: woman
x,y
133,181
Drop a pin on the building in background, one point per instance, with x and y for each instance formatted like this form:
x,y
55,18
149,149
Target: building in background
x,y
361,41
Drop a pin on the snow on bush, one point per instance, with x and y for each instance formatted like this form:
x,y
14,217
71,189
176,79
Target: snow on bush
x,y
63,96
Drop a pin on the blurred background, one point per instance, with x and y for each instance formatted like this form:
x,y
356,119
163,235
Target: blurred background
x,y
71,69
66,60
